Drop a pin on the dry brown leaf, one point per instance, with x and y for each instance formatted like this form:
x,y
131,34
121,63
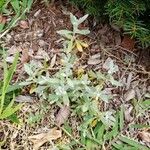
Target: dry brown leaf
x,y
128,112
25,56
13,50
62,115
129,79
2,19
145,136
23,99
39,139
94,60
10,59
128,43
53,61
24,24
130,94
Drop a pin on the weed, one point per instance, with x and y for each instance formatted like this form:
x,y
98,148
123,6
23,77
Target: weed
x,y
9,109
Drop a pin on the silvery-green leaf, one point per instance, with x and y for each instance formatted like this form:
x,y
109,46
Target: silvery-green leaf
x,y
82,19
66,99
25,83
69,46
108,119
42,80
85,107
147,95
28,69
100,76
110,66
70,82
53,98
40,89
73,19
83,32
65,33
114,82
105,97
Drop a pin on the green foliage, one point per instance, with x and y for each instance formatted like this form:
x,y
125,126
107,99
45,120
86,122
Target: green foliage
x,y
8,109
131,15
71,37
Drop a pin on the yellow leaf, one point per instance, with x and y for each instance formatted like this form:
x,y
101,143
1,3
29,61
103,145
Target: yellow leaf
x,y
32,88
79,46
79,72
94,122
84,44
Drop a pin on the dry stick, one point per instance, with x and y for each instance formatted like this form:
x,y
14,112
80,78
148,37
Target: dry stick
x,y
126,50
13,24
143,71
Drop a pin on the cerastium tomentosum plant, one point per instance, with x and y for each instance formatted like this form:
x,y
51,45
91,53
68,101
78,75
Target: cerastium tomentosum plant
x,y
64,87
72,40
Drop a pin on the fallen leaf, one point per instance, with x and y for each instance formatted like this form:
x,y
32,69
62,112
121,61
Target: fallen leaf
x,y
94,59
110,66
2,19
62,115
128,42
22,99
39,139
145,136
53,61
25,56
24,24
128,113
10,59
129,79
41,54
13,50
130,94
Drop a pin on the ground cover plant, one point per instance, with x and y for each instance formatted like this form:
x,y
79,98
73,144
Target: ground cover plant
x,y
76,93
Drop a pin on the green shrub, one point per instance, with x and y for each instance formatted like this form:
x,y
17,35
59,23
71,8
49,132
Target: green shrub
x,y
131,15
